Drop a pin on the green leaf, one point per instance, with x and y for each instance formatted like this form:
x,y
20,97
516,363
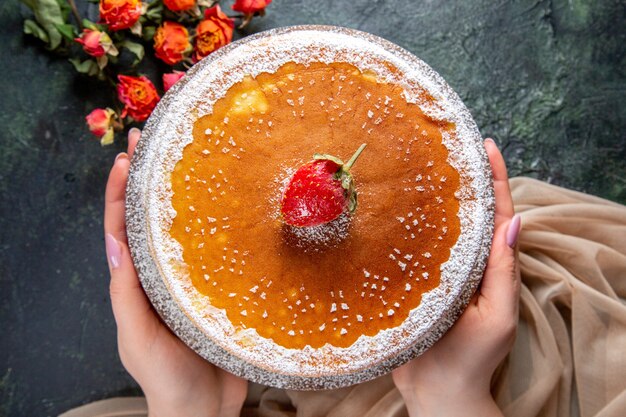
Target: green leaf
x,y
82,67
48,14
346,181
136,28
32,28
329,157
102,61
155,7
108,137
155,12
29,3
65,9
89,67
68,31
148,32
352,202
89,24
135,48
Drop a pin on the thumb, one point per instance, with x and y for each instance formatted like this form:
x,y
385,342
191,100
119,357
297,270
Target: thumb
x,y
501,282
131,307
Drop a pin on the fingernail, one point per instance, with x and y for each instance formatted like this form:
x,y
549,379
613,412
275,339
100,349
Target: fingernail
x,y
491,140
114,251
121,155
134,131
513,232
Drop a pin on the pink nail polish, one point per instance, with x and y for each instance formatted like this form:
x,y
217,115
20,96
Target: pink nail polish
x,y
513,232
114,251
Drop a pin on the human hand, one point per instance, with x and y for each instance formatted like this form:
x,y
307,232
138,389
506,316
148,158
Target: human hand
x,y
453,377
175,380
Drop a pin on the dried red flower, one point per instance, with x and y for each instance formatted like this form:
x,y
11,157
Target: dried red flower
x,y
138,95
171,42
179,5
250,6
120,14
215,31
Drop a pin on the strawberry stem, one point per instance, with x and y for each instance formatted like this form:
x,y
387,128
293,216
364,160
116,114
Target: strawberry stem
x,y
352,160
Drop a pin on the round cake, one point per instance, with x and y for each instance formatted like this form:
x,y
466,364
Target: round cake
x,y
310,303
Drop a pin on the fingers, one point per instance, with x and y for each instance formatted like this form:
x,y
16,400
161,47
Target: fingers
x,y
133,137
115,195
504,201
234,394
500,287
131,308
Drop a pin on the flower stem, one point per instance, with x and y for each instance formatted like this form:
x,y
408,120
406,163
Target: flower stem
x,y
79,21
356,155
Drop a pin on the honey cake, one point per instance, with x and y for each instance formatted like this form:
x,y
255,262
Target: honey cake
x,y
313,307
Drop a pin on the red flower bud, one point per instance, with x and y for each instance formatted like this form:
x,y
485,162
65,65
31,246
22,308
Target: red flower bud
x,y
96,43
250,6
100,122
90,39
171,78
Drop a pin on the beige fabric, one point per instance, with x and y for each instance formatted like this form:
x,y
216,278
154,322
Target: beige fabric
x,y
570,355
113,407
569,358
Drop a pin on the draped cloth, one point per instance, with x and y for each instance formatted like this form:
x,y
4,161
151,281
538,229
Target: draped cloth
x,y
569,358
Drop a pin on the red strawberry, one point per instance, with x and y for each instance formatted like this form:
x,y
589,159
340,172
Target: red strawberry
x,y
320,191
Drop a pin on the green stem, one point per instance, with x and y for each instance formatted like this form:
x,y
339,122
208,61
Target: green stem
x,y
79,21
356,155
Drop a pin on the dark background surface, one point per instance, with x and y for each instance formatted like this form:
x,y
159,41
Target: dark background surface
x,y
547,79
